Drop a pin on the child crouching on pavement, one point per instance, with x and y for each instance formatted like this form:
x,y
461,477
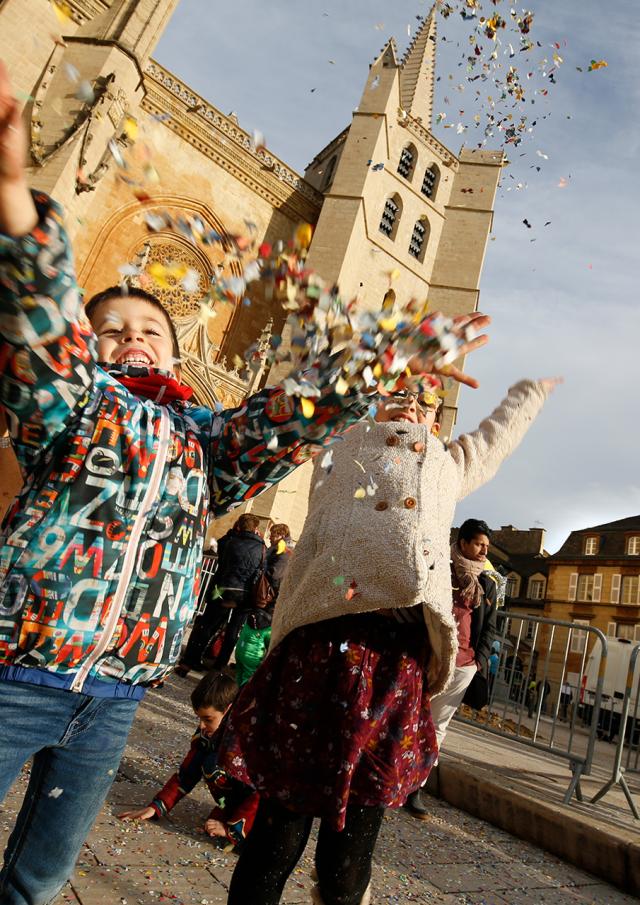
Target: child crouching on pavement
x,y
235,804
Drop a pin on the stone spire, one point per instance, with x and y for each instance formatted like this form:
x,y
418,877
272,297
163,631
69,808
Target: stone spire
x,y
417,72
136,25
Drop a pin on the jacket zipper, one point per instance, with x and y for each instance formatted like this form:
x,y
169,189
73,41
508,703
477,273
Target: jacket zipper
x,y
131,554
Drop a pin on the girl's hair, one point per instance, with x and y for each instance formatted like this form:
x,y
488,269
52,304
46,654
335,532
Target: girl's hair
x,y
279,532
115,292
216,689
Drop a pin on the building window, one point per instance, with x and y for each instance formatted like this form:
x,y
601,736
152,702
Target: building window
x,y
627,632
611,629
630,589
585,588
418,244
512,586
633,546
536,588
391,217
590,546
578,637
407,161
430,181
530,632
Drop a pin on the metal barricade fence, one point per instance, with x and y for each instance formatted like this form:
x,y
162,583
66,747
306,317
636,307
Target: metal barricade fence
x,y
538,696
626,724
206,572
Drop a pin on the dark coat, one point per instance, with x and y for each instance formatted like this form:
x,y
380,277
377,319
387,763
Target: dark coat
x,y
239,563
483,622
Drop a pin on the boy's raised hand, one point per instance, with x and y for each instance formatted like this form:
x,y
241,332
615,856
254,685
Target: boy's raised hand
x,y
17,211
138,814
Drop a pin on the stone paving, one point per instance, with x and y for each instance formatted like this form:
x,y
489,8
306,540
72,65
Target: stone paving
x,y
451,858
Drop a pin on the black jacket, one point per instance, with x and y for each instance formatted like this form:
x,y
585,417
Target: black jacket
x,y
483,622
240,555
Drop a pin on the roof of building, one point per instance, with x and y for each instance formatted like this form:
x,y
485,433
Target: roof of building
x,y
612,536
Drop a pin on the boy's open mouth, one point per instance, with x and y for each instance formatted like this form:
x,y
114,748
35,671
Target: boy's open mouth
x,y
134,357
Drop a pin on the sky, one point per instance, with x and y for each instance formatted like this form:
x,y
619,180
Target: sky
x,y
565,304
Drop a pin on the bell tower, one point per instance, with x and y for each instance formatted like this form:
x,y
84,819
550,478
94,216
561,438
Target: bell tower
x,y
83,105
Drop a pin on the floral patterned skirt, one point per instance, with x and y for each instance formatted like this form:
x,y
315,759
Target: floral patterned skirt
x,y
337,714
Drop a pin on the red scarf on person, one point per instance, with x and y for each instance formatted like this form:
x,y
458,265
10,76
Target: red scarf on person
x,y
158,386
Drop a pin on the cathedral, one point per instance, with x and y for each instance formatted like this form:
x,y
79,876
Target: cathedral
x,y
396,214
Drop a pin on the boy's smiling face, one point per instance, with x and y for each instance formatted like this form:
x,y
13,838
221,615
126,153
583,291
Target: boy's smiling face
x,y
132,331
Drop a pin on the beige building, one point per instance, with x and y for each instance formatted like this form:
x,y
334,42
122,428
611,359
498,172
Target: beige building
x,y
385,196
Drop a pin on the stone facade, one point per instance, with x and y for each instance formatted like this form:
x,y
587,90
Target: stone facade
x,y
206,164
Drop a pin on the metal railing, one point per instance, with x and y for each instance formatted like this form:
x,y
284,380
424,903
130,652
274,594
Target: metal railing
x,y
535,700
206,573
626,725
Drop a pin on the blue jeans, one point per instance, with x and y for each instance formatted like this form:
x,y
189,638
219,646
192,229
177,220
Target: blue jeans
x,y
76,742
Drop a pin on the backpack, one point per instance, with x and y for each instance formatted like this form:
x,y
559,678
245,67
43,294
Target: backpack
x,y
262,594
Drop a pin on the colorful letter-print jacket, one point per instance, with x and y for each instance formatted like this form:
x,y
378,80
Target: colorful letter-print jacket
x,y
235,804
101,550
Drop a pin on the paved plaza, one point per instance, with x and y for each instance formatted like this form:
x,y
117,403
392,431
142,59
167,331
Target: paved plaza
x,y
451,858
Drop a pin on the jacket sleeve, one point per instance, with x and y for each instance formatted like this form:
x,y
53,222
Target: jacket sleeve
x,y
182,782
265,439
478,456
237,807
488,630
47,349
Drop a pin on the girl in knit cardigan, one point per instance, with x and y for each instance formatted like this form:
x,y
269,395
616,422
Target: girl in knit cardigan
x,y
336,722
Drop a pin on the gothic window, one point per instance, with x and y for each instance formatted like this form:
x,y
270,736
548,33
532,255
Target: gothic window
x,y
329,172
391,216
182,279
407,162
430,181
389,300
419,236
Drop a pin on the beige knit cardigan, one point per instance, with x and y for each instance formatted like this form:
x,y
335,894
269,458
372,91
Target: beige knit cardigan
x,y
394,542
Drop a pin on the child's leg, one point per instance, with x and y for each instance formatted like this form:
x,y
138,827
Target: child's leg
x,y
270,853
71,775
343,860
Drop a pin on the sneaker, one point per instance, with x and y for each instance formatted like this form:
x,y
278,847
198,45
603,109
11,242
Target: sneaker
x,y
416,806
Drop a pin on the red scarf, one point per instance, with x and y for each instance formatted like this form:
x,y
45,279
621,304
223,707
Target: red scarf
x,y
157,387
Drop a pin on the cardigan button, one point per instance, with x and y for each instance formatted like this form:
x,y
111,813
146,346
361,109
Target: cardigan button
x,y
381,506
409,503
393,440
418,446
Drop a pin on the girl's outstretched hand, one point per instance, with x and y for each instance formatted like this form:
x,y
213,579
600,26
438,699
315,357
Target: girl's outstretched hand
x,y
550,383
465,325
17,211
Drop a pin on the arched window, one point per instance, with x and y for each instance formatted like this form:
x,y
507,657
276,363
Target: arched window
x,y
389,300
329,173
391,216
430,181
419,238
407,162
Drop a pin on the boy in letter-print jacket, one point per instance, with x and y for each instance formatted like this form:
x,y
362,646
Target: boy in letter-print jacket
x,y
100,553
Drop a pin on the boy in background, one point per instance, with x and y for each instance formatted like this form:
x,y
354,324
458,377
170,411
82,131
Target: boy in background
x,y
234,804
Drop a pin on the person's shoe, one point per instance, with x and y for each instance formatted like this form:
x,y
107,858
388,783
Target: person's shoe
x,y
182,671
416,806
